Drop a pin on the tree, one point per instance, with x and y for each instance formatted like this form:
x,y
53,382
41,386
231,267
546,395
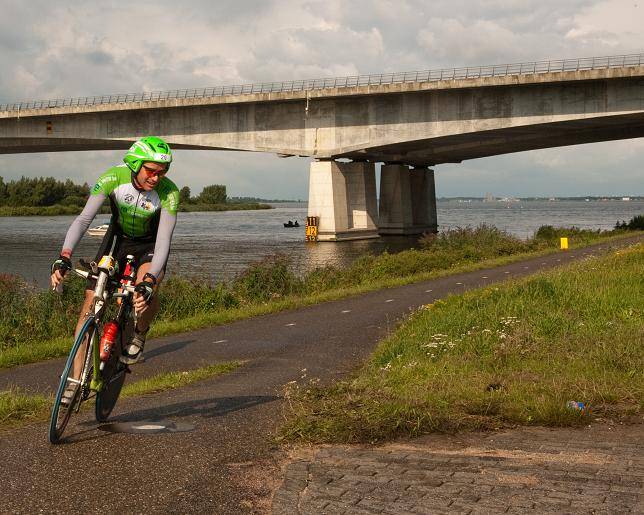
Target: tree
x,y
184,195
213,194
42,191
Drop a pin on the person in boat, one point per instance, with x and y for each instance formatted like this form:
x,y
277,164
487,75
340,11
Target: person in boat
x,y
144,204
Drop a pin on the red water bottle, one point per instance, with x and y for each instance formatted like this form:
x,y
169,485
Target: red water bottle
x,y
127,279
107,340
128,274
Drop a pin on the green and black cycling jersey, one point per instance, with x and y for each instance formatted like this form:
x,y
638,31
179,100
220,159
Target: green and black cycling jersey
x,y
138,215
135,211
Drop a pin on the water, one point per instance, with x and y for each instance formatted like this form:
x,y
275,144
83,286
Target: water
x,y
218,245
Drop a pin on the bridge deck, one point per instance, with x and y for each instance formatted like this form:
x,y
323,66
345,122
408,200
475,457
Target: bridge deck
x,y
468,77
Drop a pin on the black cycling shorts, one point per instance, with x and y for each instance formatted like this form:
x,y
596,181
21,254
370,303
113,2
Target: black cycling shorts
x,y
141,249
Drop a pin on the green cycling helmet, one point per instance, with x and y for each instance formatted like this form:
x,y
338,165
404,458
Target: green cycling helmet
x,y
148,149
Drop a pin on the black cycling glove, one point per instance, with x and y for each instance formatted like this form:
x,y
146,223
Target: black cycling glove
x,y
145,289
63,263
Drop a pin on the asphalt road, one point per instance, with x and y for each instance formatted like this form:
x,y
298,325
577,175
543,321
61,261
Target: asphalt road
x,y
229,462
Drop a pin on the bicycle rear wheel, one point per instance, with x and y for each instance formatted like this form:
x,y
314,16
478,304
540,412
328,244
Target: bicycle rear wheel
x,y
62,411
113,375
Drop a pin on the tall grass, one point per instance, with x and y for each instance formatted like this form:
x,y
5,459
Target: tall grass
x,y
511,354
17,405
34,322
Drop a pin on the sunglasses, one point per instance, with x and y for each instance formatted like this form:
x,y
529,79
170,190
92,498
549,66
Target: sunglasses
x,y
154,172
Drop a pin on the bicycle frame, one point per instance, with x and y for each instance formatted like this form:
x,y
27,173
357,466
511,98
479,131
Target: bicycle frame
x,y
103,272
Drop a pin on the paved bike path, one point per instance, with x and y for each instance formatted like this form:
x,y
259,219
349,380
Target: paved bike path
x,y
262,335
229,463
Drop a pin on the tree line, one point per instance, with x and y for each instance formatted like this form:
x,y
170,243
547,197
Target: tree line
x,y
42,191
48,191
213,194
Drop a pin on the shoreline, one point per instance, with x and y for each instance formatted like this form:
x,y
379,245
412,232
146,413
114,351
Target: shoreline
x,y
267,287
59,210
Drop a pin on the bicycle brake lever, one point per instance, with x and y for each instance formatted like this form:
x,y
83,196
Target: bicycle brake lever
x,y
85,264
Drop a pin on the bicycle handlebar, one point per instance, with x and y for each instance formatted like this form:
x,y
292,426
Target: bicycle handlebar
x,y
88,275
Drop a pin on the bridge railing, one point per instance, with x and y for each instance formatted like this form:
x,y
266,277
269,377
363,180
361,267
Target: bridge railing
x,y
471,72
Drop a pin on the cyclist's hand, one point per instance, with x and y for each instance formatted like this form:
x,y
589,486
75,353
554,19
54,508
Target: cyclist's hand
x,y
58,270
143,293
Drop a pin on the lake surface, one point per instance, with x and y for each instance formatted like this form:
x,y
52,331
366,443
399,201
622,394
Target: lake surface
x,y
218,245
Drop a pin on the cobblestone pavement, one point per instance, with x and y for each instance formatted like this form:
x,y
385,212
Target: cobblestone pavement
x,y
597,469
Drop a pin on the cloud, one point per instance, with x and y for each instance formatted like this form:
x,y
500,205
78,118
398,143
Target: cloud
x,y
614,26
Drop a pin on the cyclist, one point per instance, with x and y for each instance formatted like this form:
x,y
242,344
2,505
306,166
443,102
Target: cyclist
x,y
144,205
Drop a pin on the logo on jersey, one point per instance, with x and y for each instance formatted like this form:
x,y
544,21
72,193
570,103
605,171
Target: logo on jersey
x,y
146,204
129,198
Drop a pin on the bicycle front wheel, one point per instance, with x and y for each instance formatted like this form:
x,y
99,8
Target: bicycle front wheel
x,y
64,405
113,375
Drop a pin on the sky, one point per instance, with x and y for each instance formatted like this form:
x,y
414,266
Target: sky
x,y
79,48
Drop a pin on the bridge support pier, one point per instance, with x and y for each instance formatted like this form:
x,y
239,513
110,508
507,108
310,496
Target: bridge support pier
x,y
343,196
407,200
423,199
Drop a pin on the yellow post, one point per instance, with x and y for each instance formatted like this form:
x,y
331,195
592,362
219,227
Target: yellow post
x,y
312,228
564,243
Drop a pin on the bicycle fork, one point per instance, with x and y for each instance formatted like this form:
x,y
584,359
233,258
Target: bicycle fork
x,y
97,382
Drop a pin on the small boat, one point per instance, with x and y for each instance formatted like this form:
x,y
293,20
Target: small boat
x,y
99,230
291,224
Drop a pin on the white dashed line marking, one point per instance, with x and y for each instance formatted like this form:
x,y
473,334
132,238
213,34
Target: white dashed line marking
x,y
428,291
526,267
220,341
290,325
558,259
484,277
506,272
346,311
389,300
460,284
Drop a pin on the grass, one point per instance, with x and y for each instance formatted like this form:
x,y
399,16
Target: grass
x,y
36,325
55,210
179,379
228,206
503,355
17,406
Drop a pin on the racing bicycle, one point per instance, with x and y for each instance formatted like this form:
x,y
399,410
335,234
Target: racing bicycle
x,y
97,346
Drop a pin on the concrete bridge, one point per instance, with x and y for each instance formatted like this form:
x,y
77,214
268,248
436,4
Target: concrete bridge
x,y
408,121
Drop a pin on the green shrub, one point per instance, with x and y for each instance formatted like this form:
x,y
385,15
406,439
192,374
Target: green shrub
x,y
474,243
268,279
634,224
29,313
182,298
550,234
